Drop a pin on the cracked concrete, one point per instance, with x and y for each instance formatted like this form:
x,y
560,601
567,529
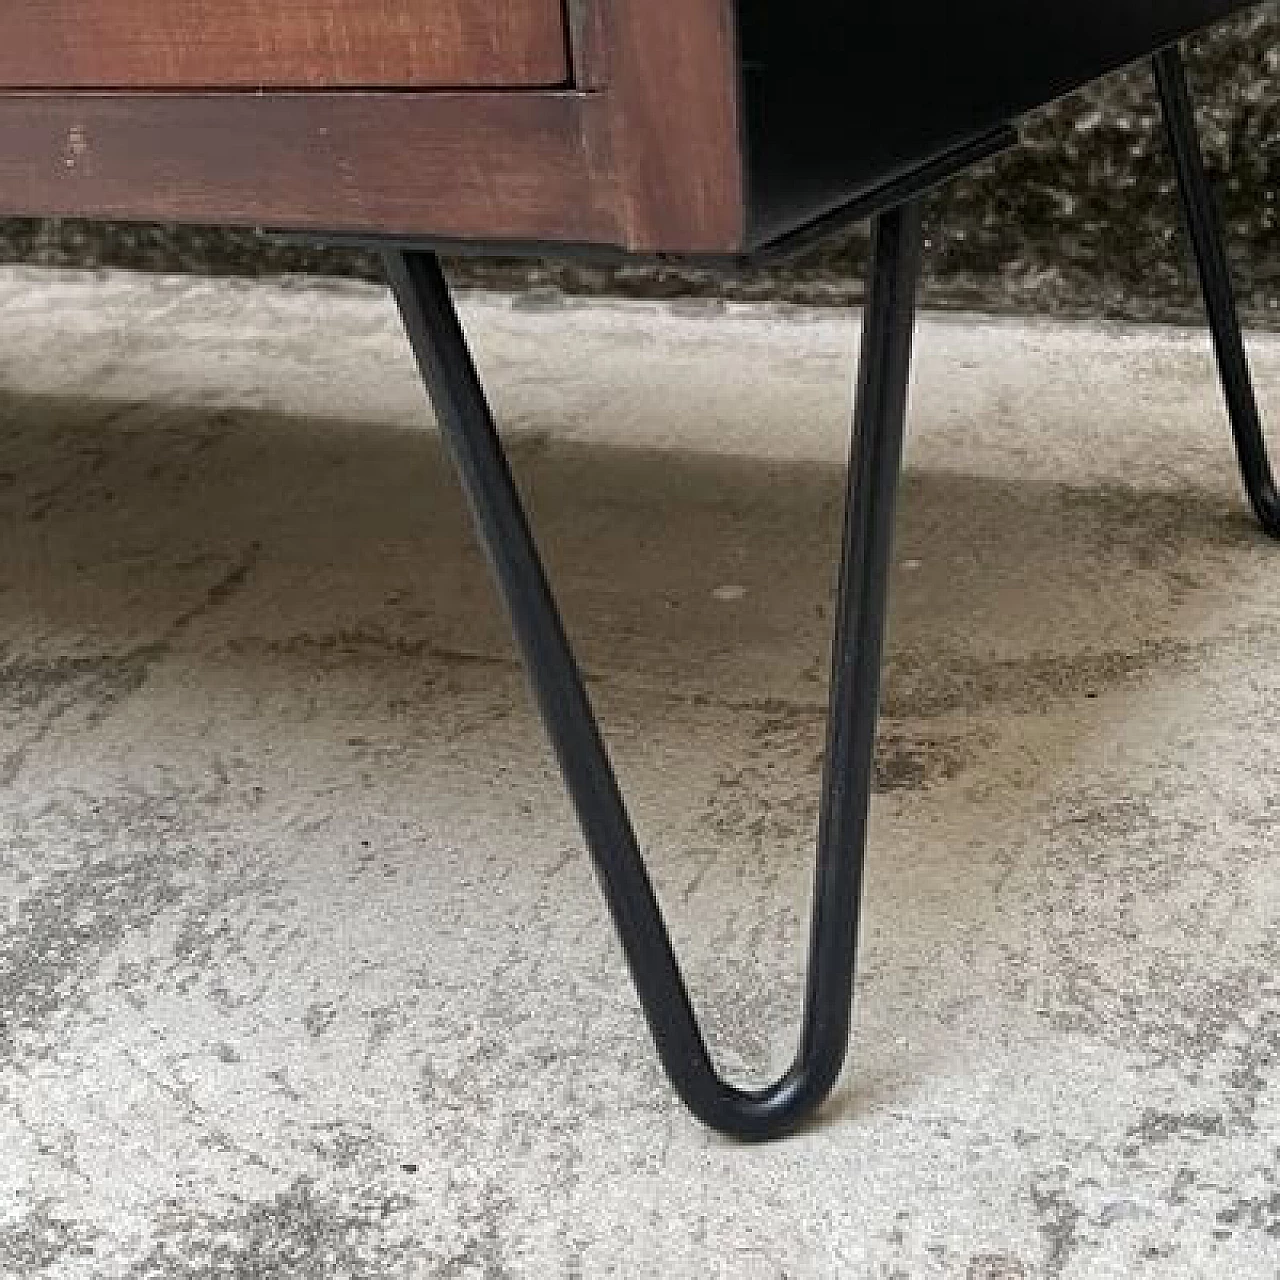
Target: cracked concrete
x,y
302,969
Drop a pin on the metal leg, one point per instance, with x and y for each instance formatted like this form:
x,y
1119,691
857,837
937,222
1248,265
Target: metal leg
x,y
1215,279
471,437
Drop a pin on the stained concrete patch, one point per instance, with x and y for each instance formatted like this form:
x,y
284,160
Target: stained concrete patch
x,y
40,1241
302,968
300,1234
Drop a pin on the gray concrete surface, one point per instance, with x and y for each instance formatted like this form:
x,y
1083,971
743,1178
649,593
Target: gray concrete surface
x,y
302,969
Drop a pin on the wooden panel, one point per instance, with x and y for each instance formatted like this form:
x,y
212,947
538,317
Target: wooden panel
x,y
667,128
588,38
491,166
648,159
281,43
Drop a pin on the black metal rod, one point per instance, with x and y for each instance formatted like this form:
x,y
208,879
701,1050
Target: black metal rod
x,y
1205,228
472,440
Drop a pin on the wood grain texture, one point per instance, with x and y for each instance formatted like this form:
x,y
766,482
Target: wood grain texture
x,y
175,44
588,38
491,166
666,126
647,159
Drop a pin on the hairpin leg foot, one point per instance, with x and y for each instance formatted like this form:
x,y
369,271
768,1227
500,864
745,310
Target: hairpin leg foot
x,y
472,440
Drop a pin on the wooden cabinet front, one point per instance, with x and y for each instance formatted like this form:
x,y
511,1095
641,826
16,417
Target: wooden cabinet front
x,y
198,44
680,126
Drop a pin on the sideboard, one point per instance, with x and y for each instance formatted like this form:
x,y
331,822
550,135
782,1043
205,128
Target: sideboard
x,y
715,129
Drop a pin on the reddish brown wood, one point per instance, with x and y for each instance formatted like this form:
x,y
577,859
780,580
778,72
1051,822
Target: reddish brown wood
x,y
483,165
177,44
588,41
665,130
648,158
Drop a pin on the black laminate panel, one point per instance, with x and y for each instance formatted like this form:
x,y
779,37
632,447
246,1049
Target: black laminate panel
x,y
840,97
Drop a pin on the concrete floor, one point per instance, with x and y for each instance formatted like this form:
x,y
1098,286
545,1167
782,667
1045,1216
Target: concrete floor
x,y
303,972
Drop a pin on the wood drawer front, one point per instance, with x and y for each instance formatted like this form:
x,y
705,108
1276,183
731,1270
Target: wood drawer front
x,y
235,44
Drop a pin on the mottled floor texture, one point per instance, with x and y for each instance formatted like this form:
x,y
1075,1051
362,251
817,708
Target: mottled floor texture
x,y
303,972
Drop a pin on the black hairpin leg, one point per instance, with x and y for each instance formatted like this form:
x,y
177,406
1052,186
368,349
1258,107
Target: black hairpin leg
x,y
1215,280
472,439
